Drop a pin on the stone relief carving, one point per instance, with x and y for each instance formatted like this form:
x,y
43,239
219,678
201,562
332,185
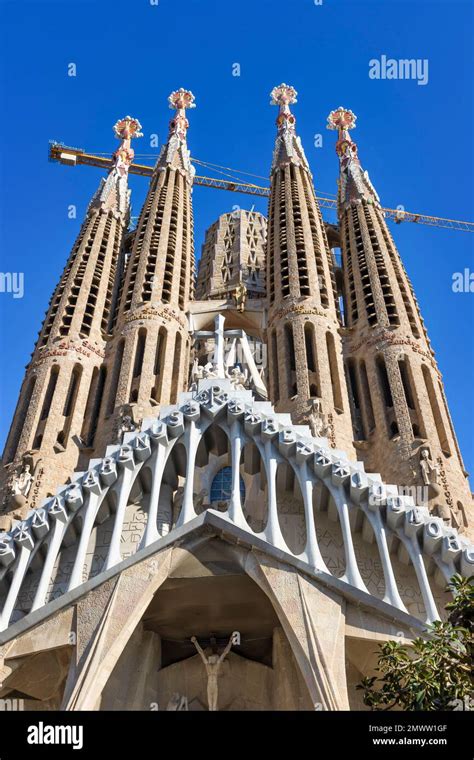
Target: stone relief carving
x,y
152,312
295,308
317,419
385,338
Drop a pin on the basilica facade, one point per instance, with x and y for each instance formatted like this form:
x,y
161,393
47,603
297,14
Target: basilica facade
x,y
220,491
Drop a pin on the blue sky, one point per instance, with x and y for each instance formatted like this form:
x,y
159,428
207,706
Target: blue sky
x,y
415,140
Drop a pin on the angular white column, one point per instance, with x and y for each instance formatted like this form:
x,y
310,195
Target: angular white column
x,y
126,463
312,550
57,513
414,552
391,595
24,541
272,530
192,438
352,574
159,459
95,497
235,511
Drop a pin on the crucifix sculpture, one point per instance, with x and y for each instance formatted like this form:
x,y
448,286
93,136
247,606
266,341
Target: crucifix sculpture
x,y
212,663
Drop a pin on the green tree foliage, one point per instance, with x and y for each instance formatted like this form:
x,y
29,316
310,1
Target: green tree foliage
x,y
436,672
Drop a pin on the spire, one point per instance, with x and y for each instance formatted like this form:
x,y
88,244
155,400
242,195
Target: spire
x,y
61,417
288,148
180,100
113,192
303,309
125,129
175,153
354,183
157,286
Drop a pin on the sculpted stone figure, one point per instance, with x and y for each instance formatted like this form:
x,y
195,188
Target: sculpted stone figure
x,y
429,470
22,483
237,378
240,296
18,492
197,373
212,663
126,423
201,372
209,370
317,420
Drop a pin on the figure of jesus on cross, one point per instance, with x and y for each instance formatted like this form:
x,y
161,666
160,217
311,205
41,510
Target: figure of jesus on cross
x,y
212,663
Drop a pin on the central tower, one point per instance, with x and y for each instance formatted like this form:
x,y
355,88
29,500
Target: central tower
x,y
304,345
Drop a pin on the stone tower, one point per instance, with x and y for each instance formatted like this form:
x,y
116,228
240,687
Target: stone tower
x,y
304,344
233,253
148,359
57,408
402,425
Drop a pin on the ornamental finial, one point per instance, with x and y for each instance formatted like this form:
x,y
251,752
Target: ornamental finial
x,y
283,95
180,100
343,120
126,129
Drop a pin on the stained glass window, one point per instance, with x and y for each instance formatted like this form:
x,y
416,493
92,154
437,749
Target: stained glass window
x,y
221,488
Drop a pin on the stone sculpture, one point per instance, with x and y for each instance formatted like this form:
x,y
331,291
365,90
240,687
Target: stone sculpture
x,y
212,663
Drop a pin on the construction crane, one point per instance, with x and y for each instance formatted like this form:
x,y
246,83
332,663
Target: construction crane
x,y
69,156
